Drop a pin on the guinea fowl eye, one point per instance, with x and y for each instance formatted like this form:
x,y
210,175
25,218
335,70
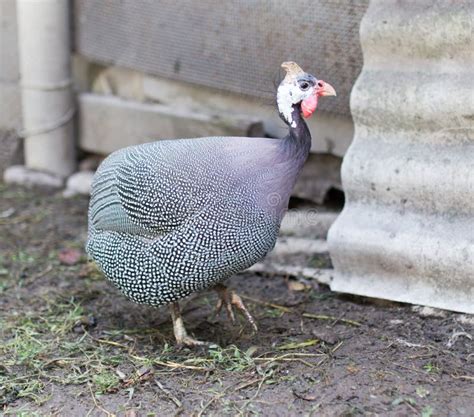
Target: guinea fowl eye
x,y
304,85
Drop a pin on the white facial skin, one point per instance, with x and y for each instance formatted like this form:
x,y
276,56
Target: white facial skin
x,y
293,92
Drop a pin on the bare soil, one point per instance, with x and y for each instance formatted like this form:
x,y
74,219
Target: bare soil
x,y
71,345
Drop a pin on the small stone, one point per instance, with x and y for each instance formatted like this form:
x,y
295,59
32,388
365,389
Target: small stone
x,y
79,183
7,213
294,285
120,374
424,311
465,319
21,175
144,370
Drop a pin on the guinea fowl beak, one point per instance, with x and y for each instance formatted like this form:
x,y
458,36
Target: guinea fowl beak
x,y
325,89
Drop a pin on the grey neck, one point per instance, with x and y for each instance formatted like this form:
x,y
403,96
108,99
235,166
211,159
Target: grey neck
x,y
297,144
292,153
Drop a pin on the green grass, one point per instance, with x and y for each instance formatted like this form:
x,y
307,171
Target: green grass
x,y
431,368
35,346
231,359
52,345
105,381
31,343
273,313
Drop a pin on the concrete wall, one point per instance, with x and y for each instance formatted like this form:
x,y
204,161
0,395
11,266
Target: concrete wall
x,y
407,230
10,103
108,123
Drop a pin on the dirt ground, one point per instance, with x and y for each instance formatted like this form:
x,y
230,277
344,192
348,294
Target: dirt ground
x,y
71,345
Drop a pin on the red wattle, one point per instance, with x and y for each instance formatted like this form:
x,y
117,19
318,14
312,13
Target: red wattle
x,y
308,106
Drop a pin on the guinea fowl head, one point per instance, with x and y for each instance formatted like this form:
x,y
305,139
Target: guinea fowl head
x,y
300,90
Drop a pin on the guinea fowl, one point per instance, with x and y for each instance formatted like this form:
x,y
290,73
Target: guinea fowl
x,y
173,217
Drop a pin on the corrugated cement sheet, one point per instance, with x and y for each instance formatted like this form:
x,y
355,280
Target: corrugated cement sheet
x,y
407,229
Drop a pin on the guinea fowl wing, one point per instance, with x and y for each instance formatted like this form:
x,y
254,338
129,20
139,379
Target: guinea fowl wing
x,y
158,186
161,185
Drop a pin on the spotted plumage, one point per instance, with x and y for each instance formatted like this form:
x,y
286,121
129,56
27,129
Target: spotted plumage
x,y
173,217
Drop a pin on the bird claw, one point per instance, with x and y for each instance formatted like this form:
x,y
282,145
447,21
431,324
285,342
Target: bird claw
x,y
182,338
230,299
228,308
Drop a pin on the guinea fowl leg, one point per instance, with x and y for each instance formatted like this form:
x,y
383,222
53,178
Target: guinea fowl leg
x,y
180,333
230,299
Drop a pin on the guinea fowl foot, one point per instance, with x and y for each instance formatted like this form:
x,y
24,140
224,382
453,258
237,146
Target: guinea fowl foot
x,y
230,299
182,338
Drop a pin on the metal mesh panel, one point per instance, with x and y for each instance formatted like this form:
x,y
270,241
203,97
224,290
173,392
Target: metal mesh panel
x,y
233,46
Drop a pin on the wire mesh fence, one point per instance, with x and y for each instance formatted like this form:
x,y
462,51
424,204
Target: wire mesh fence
x,y
234,46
